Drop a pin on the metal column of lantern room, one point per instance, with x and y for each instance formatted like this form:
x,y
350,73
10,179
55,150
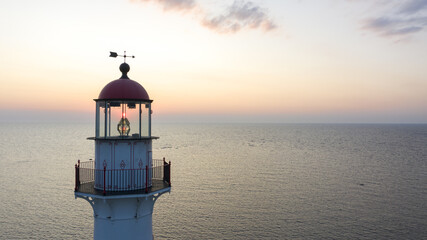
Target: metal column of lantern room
x,y
124,181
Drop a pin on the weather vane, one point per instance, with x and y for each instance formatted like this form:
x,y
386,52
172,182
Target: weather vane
x,y
114,55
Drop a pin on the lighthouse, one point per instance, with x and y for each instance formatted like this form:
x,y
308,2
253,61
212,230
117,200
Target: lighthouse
x,y
123,182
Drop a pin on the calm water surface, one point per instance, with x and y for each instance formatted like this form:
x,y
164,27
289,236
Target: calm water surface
x,y
232,181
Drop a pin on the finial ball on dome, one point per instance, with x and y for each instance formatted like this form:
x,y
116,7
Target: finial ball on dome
x,y
124,68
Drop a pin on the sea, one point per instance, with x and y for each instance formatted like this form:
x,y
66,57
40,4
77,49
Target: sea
x,y
231,181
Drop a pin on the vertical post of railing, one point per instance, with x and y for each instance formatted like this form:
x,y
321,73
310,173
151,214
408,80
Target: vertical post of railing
x,y
164,169
76,188
105,169
169,173
146,179
78,173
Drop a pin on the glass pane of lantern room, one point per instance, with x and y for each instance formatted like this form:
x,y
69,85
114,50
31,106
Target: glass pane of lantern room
x,y
131,113
145,108
124,119
114,118
100,119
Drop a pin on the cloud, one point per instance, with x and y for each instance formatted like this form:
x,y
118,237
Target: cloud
x,y
238,16
405,19
177,5
413,6
395,26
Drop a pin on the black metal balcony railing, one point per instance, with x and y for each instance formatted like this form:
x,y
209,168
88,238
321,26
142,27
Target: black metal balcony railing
x,y
115,180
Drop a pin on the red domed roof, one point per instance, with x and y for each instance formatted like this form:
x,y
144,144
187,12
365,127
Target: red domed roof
x,y
124,88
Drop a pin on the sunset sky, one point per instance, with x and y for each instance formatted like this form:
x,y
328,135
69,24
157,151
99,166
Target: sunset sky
x,y
297,61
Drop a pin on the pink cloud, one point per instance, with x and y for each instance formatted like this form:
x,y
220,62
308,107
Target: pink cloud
x,y
238,16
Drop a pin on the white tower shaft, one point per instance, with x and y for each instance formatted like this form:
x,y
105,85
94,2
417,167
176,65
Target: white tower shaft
x,y
120,217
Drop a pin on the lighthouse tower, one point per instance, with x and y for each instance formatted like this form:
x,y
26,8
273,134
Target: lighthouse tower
x,y
124,181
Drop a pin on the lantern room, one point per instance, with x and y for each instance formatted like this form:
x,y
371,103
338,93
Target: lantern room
x,y
123,141
123,109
